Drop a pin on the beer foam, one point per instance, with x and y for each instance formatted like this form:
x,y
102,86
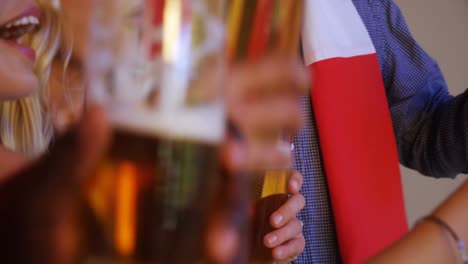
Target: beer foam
x,y
202,124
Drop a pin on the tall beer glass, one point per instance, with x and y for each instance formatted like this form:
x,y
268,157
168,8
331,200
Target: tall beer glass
x,y
257,28
156,66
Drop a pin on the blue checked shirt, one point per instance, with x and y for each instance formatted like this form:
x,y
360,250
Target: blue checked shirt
x,y
429,126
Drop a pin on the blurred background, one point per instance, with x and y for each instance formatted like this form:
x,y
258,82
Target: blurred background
x,y
440,27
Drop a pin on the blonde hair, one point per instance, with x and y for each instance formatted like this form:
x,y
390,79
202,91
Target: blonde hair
x,y
25,124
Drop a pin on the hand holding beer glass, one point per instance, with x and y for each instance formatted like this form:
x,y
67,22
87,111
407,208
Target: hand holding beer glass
x,y
255,29
157,67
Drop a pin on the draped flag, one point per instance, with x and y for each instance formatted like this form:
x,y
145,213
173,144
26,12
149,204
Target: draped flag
x,y
355,129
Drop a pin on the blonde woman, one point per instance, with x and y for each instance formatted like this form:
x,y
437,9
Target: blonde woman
x,y
29,40
29,36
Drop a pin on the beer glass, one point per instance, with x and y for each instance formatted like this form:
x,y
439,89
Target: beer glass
x,y
257,28
157,67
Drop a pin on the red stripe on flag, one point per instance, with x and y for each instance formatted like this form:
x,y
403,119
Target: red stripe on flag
x,y
262,26
360,155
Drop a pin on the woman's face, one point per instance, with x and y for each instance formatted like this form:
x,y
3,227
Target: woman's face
x,y
17,78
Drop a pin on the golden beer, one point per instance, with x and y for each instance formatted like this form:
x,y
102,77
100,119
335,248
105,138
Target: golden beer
x,y
257,28
158,73
149,200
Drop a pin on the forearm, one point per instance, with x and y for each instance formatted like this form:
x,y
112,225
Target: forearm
x,y
436,143
427,242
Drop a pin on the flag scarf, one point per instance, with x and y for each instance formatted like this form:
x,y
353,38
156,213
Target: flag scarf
x,y
355,129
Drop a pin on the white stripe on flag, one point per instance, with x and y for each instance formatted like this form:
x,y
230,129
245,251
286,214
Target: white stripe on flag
x,y
333,29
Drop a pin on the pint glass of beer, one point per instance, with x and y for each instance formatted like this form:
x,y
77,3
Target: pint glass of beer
x,y
257,28
156,66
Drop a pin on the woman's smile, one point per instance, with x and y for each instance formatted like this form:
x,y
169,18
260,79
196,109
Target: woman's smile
x,y
14,29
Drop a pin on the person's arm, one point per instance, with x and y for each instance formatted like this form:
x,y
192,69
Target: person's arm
x,y
431,126
429,243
